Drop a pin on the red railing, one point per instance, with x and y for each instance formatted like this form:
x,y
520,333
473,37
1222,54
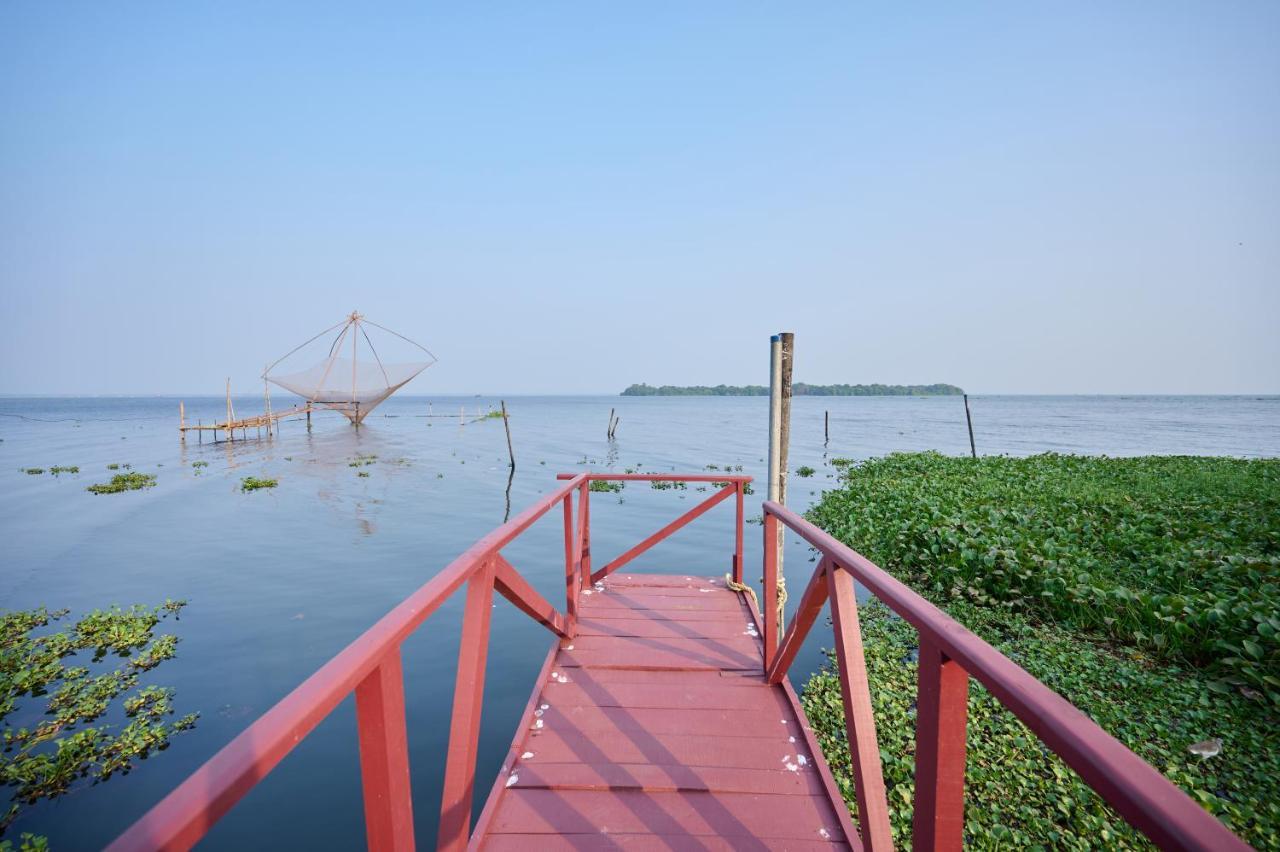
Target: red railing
x,y
948,656
371,668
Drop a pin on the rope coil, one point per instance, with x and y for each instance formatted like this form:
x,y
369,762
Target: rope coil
x,y
747,590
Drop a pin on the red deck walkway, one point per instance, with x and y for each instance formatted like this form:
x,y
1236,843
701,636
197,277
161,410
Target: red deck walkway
x,y
663,717
655,724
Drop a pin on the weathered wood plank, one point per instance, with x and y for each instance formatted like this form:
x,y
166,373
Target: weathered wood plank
x,y
667,778
749,818
740,752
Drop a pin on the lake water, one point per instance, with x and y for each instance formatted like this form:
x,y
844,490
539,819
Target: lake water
x,y
280,580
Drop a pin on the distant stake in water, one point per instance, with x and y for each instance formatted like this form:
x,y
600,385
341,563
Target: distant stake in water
x,y
968,419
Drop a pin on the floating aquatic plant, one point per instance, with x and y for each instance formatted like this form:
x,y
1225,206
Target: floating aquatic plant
x,y
253,483
34,471
124,482
805,471
603,485
60,750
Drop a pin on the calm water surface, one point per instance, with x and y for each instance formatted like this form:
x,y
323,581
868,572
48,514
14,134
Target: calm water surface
x,y
279,581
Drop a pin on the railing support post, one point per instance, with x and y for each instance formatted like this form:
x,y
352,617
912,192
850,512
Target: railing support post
x,y
737,533
860,724
770,588
942,710
384,757
584,532
468,697
572,579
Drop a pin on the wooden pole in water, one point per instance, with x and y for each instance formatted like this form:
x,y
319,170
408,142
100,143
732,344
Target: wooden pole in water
x,y
608,433
775,453
511,454
784,446
229,429
784,439
182,420
969,419
826,428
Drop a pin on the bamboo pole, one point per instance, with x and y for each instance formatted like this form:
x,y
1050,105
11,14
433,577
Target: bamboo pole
x,y
506,422
229,429
182,420
826,428
775,456
784,438
973,450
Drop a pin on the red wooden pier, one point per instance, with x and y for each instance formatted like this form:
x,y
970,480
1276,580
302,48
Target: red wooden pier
x,y
663,716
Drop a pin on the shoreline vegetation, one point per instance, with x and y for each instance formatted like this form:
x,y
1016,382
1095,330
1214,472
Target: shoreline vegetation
x,y
1145,591
797,389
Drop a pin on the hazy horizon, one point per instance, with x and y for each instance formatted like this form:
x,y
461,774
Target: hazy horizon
x,y
1034,200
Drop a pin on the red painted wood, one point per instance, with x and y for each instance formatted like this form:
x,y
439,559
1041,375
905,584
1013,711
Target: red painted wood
x,y
662,628
464,727
571,745
1135,789
188,812
702,677
516,749
585,689
752,819
694,513
694,588
740,488
647,720
660,477
597,842
663,581
811,742
583,549
815,595
384,757
770,602
658,603
516,589
572,579
673,778
860,725
657,654
942,714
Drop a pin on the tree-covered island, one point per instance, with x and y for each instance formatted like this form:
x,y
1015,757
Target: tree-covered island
x,y
799,389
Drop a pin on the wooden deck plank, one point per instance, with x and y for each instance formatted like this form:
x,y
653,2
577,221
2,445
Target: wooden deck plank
x,y
666,778
712,602
744,816
652,628
596,842
688,750
586,690
654,727
643,720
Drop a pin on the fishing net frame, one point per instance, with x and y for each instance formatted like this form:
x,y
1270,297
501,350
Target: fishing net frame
x,y
326,385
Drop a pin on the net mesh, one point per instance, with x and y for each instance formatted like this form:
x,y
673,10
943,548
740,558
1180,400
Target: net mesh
x,y
352,377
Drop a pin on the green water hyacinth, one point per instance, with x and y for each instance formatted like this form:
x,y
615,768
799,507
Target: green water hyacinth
x,y
1146,591
1176,556
253,483
124,482
72,678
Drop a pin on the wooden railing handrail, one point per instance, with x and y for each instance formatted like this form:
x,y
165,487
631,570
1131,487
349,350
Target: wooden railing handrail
x,y
949,654
371,668
191,809
659,477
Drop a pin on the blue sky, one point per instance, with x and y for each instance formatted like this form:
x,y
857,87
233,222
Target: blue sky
x,y
1020,197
